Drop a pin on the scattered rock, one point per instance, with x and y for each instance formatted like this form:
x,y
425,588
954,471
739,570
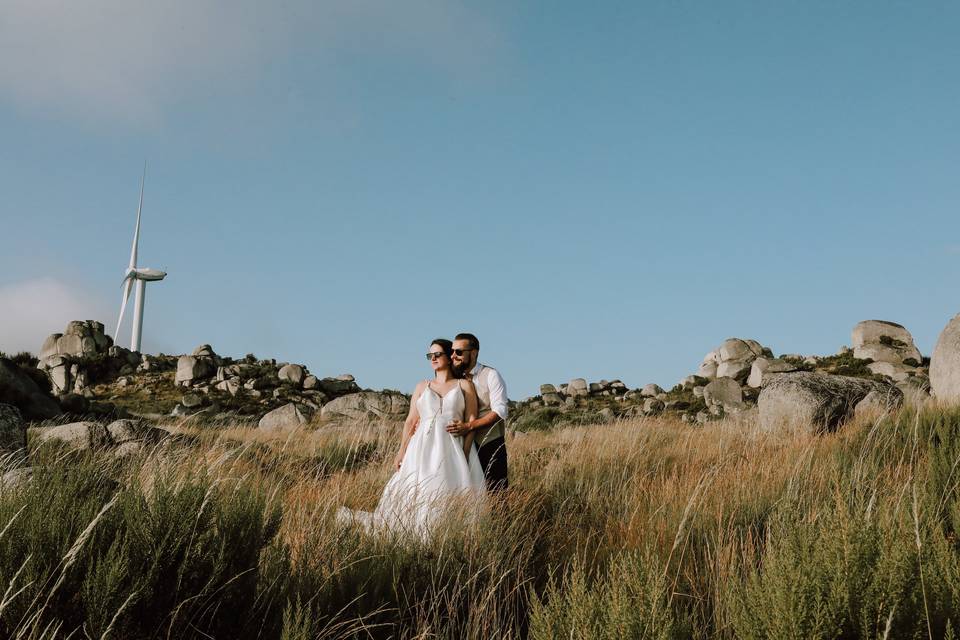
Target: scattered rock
x,y
191,401
341,385
708,369
74,403
205,351
191,369
877,402
723,392
577,387
366,405
16,478
651,390
292,373
288,417
180,411
231,386
128,449
653,406
78,435
817,401
552,399
763,367
125,431
13,432
693,381
895,371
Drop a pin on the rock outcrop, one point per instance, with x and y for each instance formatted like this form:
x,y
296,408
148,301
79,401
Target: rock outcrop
x,y
732,359
82,354
945,364
20,390
381,405
884,341
80,338
817,401
890,346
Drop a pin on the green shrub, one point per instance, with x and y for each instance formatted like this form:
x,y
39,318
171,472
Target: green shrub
x,y
178,557
845,364
538,419
893,342
630,600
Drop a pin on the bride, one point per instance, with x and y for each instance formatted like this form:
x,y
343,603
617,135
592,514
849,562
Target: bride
x,y
432,465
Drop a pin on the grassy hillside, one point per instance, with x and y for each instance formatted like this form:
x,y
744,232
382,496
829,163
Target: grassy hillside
x,y
637,529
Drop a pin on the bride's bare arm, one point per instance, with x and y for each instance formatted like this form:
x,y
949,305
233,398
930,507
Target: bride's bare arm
x,y
409,425
470,412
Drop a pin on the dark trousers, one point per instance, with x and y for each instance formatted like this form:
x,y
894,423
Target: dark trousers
x,y
493,459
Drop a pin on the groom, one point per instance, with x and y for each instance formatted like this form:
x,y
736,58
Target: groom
x,y
492,396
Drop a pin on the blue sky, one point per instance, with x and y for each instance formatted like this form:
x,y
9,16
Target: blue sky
x,y
604,190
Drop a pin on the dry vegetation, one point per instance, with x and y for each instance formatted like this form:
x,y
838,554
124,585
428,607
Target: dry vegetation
x,y
639,529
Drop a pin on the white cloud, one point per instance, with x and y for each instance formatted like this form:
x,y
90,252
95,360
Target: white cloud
x,y
32,310
132,60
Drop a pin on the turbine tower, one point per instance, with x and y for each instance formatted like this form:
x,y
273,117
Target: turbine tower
x,y
140,276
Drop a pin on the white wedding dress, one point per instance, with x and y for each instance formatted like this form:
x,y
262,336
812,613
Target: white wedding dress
x,y
433,470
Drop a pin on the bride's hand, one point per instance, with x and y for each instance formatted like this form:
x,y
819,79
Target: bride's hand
x,y
398,460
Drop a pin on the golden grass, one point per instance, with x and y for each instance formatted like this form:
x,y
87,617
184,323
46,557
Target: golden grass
x,y
695,525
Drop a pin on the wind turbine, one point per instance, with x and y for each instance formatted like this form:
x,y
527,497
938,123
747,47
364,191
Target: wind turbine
x,y
140,276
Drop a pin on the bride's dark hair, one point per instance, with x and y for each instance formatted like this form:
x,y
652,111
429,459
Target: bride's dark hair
x,y
447,347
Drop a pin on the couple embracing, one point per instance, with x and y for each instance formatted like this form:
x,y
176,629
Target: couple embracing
x,y
452,445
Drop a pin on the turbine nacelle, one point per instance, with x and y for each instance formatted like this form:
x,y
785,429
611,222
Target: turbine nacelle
x,y
150,275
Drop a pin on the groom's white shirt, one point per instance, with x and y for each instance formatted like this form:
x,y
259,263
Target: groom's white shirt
x,y
489,382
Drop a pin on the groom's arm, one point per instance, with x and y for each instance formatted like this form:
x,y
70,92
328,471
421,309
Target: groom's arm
x,y
488,420
498,402
498,407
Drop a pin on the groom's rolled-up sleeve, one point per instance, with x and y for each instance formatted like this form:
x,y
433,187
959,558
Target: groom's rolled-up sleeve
x,y
498,394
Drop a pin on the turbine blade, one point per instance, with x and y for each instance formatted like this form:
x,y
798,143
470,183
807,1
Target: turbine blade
x,y
136,231
128,285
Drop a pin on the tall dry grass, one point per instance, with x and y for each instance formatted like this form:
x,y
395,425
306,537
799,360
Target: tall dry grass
x,y
637,529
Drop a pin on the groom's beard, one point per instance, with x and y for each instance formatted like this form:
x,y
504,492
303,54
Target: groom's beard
x,y
459,370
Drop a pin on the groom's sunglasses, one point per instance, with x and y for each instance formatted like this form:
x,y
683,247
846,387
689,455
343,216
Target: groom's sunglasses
x,y
434,355
460,352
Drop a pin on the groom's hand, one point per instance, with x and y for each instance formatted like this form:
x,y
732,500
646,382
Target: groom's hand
x,y
458,428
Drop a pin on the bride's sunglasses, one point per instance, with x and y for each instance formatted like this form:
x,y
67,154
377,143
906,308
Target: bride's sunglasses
x,y
435,355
